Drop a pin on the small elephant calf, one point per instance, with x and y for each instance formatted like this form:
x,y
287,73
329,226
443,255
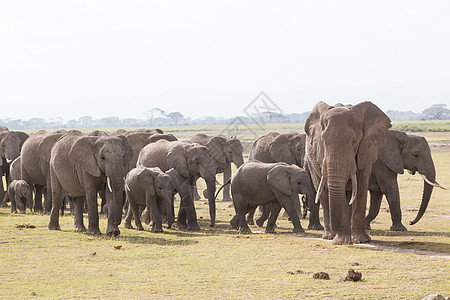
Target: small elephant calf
x,y
20,194
153,188
258,183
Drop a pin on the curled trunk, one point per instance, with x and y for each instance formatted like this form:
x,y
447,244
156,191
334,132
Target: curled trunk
x,y
211,187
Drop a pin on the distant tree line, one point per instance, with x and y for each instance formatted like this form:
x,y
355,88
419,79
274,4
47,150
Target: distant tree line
x,y
158,117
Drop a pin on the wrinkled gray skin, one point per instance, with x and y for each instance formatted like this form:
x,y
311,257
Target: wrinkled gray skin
x,y
224,152
401,151
258,183
20,194
35,166
152,188
190,160
79,167
10,145
342,143
288,148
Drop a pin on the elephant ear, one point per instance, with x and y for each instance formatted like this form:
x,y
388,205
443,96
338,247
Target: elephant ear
x,y
375,126
312,124
177,180
22,136
127,148
216,147
45,147
146,179
82,153
280,150
176,158
279,177
391,154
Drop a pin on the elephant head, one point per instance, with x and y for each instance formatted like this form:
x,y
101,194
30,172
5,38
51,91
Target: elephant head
x,y
290,180
192,159
342,141
157,183
288,148
236,150
10,144
109,157
411,152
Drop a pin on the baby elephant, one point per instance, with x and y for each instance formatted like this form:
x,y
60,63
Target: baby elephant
x,y
20,194
256,183
153,188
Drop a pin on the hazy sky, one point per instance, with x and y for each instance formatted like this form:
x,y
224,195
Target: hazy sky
x,y
119,58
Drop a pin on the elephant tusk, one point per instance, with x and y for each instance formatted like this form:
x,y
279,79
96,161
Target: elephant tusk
x,y
435,184
354,189
127,187
319,189
109,184
9,160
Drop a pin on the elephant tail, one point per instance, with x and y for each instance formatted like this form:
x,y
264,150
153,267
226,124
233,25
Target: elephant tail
x,y
226,183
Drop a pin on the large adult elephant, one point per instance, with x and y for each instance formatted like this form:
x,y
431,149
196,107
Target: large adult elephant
x,y
224,152
401,151
80,166
342,143
3,168
35,166
190,160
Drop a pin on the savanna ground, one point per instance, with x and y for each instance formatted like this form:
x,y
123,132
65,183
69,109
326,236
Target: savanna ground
x,y
219,263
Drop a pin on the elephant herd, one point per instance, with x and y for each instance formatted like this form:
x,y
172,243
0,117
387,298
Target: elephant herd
x,y
345,152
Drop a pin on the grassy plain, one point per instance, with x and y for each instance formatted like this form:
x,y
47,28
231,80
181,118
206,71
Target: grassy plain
x,y
219,263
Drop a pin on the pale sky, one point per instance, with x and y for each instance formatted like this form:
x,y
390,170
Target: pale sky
x,y
211,58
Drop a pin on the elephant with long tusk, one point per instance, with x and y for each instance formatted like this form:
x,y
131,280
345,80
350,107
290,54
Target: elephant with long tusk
x,y
401,151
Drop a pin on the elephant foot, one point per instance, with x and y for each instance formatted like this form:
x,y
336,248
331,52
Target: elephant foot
x,y
328,235
3,204
270,230
260,222
193,227
234,222
94,231
113,232
360,238
398,227
14,211
53,226
227,198
80,228
315,226
341,239
40,211
197,197
181,226
128,225
157,230
298,230
250,222
367,227
246,230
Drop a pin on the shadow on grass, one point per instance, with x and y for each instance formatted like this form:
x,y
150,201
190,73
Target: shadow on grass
x,y
149,240
421,248
378,232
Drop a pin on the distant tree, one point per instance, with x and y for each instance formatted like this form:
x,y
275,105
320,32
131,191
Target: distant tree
x,y
175,117
86,121
153,114
436,112
36,123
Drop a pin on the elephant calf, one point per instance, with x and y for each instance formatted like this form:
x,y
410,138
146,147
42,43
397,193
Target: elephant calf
x,y
20,194
257,183
153,188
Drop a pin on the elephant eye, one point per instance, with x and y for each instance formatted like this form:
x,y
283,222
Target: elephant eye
x,y
102,157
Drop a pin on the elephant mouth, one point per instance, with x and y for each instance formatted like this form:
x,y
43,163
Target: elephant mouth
x,y
412,172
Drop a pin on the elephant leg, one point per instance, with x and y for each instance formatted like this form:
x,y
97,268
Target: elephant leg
x,y
92,207
134,208
78,214
48,198
393,199
13,206
129,214
374,208
195,191
265,211
234,222
181,218
156,216
250,217
327,233
242,208
358,232
226,189
57,198
38,198
289,206
103,202
275,209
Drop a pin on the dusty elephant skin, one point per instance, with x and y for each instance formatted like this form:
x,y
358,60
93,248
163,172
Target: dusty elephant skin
x,y
20,195
224,152
80,166
342,143
288,148
190,160
152,188
401,151
257,183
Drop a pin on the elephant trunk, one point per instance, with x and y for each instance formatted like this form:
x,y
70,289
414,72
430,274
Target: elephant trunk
x,y
116,209
238,160
211,187
426,195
